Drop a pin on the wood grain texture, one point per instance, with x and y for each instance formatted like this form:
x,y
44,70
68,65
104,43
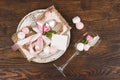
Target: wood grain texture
x,y
102,16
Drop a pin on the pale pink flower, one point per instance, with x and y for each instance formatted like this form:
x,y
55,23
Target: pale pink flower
x,y
89,38
46,28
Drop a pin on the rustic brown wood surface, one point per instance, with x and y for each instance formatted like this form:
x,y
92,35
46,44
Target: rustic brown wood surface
x,y
102,16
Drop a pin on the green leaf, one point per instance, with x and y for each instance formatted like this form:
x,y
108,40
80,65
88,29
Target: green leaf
x,y
52,31
49,34
84,41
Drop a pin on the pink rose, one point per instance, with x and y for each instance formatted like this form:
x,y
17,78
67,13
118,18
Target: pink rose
x,y
89,38
46,28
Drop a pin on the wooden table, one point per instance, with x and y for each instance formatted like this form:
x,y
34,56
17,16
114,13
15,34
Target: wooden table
x,y
102,16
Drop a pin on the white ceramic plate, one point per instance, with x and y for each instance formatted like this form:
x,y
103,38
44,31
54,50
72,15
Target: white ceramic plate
x,y
29,19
